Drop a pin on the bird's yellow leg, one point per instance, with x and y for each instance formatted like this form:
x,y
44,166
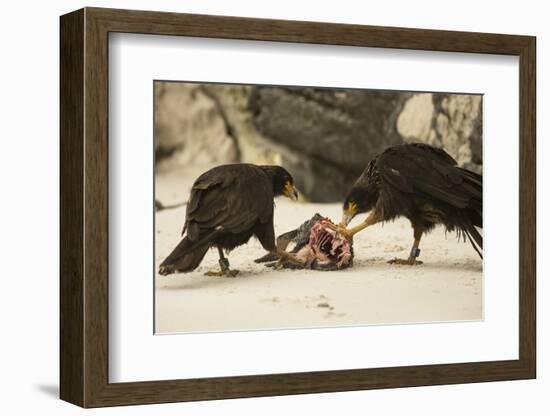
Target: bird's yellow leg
x,y
224,267
285,255
350,232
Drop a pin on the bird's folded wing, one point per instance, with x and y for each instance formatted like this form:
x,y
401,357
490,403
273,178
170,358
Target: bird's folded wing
x,y
236,205
430,174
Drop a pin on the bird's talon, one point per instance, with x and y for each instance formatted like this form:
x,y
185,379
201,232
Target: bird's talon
x,y
343,228
344,232
285,256
405,262
223,273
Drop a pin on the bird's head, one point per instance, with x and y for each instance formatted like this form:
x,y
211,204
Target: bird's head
x,y
355,203
283,183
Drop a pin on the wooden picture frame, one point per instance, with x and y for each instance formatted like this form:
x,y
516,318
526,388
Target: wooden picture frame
x,y
84,207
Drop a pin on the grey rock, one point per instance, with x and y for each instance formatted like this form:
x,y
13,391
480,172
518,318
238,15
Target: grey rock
x,y
328,136
324,137
450,121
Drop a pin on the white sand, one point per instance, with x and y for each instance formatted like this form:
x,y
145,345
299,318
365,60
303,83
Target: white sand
x,y
447,287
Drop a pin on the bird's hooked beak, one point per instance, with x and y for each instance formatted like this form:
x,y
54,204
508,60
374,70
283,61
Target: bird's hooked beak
x,y
290,191
350,210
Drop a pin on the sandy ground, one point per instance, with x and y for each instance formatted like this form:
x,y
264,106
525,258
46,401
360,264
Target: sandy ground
x,y
447,287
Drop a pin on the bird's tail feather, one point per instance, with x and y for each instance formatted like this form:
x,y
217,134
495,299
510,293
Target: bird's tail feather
x,y
187,255
472,217
474,236
472,187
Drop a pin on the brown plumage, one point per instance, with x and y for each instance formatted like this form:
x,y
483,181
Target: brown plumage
x,y
228,205
423,184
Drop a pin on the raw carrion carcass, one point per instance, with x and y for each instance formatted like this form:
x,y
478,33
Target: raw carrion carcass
x,y
317,245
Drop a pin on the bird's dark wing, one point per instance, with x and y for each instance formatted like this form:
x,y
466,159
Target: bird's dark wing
x,y
427,172
434,152
233,197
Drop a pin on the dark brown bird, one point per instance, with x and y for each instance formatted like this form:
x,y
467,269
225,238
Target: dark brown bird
x,y
228,205
423,184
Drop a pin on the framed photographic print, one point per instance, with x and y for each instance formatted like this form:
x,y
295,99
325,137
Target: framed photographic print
x,y
256,207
